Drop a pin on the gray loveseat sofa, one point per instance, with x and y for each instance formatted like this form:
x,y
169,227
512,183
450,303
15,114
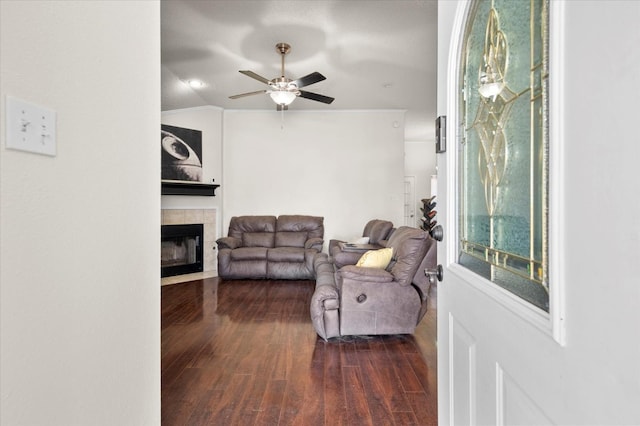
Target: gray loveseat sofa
x,y
355,300
270,247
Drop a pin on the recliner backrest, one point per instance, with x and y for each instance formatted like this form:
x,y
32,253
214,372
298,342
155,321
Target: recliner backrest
x,y
295,230
409,249
253,231
377,230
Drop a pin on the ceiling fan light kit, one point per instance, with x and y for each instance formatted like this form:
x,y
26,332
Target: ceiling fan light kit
x,y
282,90
282,97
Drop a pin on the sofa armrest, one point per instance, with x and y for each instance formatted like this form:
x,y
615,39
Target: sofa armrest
x,y
325,315
314,243
359,273
228,242
334,243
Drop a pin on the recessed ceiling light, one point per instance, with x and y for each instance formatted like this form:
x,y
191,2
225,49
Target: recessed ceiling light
x,y
195,84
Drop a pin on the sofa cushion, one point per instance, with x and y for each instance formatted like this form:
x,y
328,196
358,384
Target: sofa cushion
x,y
312,225
249,253
290,239
285,254
241,224
258,239
376,258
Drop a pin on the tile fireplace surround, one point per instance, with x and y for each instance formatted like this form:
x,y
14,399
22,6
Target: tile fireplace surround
x,y
193,216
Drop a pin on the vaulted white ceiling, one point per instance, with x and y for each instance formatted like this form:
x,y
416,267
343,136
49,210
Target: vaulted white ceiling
x,y
375,54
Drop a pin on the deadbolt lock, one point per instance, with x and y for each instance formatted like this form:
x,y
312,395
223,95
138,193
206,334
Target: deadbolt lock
x,y
434,275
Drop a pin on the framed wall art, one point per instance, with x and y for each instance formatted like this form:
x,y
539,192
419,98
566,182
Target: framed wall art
x,y
181,154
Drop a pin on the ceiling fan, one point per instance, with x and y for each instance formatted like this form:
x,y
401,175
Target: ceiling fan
x,y
283,90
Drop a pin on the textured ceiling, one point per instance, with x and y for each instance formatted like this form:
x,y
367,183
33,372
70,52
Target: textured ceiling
x,y
375,54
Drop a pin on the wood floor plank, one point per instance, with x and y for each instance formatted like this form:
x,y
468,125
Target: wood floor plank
x,y
335,403
380,375
225,406
424,407
269,413
303,404
349,352
424,373
358,411
377,398
245,353
401,350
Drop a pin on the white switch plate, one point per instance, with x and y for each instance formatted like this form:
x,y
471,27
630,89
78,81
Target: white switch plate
x,y
30,127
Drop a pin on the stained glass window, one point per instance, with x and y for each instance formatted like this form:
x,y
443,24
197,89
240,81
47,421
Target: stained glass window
x,y
503,197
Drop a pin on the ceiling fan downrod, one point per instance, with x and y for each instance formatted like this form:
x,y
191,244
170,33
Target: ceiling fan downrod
x,y
283,48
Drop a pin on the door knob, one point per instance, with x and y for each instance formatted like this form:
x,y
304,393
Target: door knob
x,y
434,274
437,233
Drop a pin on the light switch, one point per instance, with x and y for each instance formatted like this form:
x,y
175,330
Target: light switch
x,y
30,127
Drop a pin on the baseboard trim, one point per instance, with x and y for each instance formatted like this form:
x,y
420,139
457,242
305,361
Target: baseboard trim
x,y
177,279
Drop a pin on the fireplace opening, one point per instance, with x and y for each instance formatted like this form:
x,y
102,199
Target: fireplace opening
x,y
181,249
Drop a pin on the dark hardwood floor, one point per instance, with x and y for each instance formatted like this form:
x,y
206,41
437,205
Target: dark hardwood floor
x,y
245,353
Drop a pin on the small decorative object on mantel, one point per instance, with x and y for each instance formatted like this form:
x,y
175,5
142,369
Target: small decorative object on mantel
x,y
177,187
181,154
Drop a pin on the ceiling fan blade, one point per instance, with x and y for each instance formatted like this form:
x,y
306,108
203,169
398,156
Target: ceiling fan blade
x,y
254,75
242,95
316,97
307,80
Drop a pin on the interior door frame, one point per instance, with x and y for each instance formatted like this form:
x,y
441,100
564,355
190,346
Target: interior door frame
x,y
411,181
553,322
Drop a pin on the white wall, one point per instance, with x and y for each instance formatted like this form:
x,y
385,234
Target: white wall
x,y
347,166
420,155
420,161
79,283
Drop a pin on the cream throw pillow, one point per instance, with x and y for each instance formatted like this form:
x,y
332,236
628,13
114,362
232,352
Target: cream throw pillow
x,y
376,258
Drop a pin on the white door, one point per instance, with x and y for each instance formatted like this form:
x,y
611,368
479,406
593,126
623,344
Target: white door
x,y
493,323
501,359
492,342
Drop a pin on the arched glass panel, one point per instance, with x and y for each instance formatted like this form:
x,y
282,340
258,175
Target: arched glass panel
x,y
504,154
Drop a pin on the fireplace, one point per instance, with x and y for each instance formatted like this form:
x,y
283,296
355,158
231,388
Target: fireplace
x,y
181,249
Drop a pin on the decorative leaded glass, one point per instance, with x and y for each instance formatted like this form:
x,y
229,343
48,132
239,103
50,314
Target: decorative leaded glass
x,y
504,153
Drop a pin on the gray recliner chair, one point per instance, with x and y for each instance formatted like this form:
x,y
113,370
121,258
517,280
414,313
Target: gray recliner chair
x,y
355,300
376,231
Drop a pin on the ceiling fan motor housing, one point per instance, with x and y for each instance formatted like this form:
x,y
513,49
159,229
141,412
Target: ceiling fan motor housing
x,y
283,83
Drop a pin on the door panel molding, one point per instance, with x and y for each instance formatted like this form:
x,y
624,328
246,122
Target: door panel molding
x,y
462,381
514,406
